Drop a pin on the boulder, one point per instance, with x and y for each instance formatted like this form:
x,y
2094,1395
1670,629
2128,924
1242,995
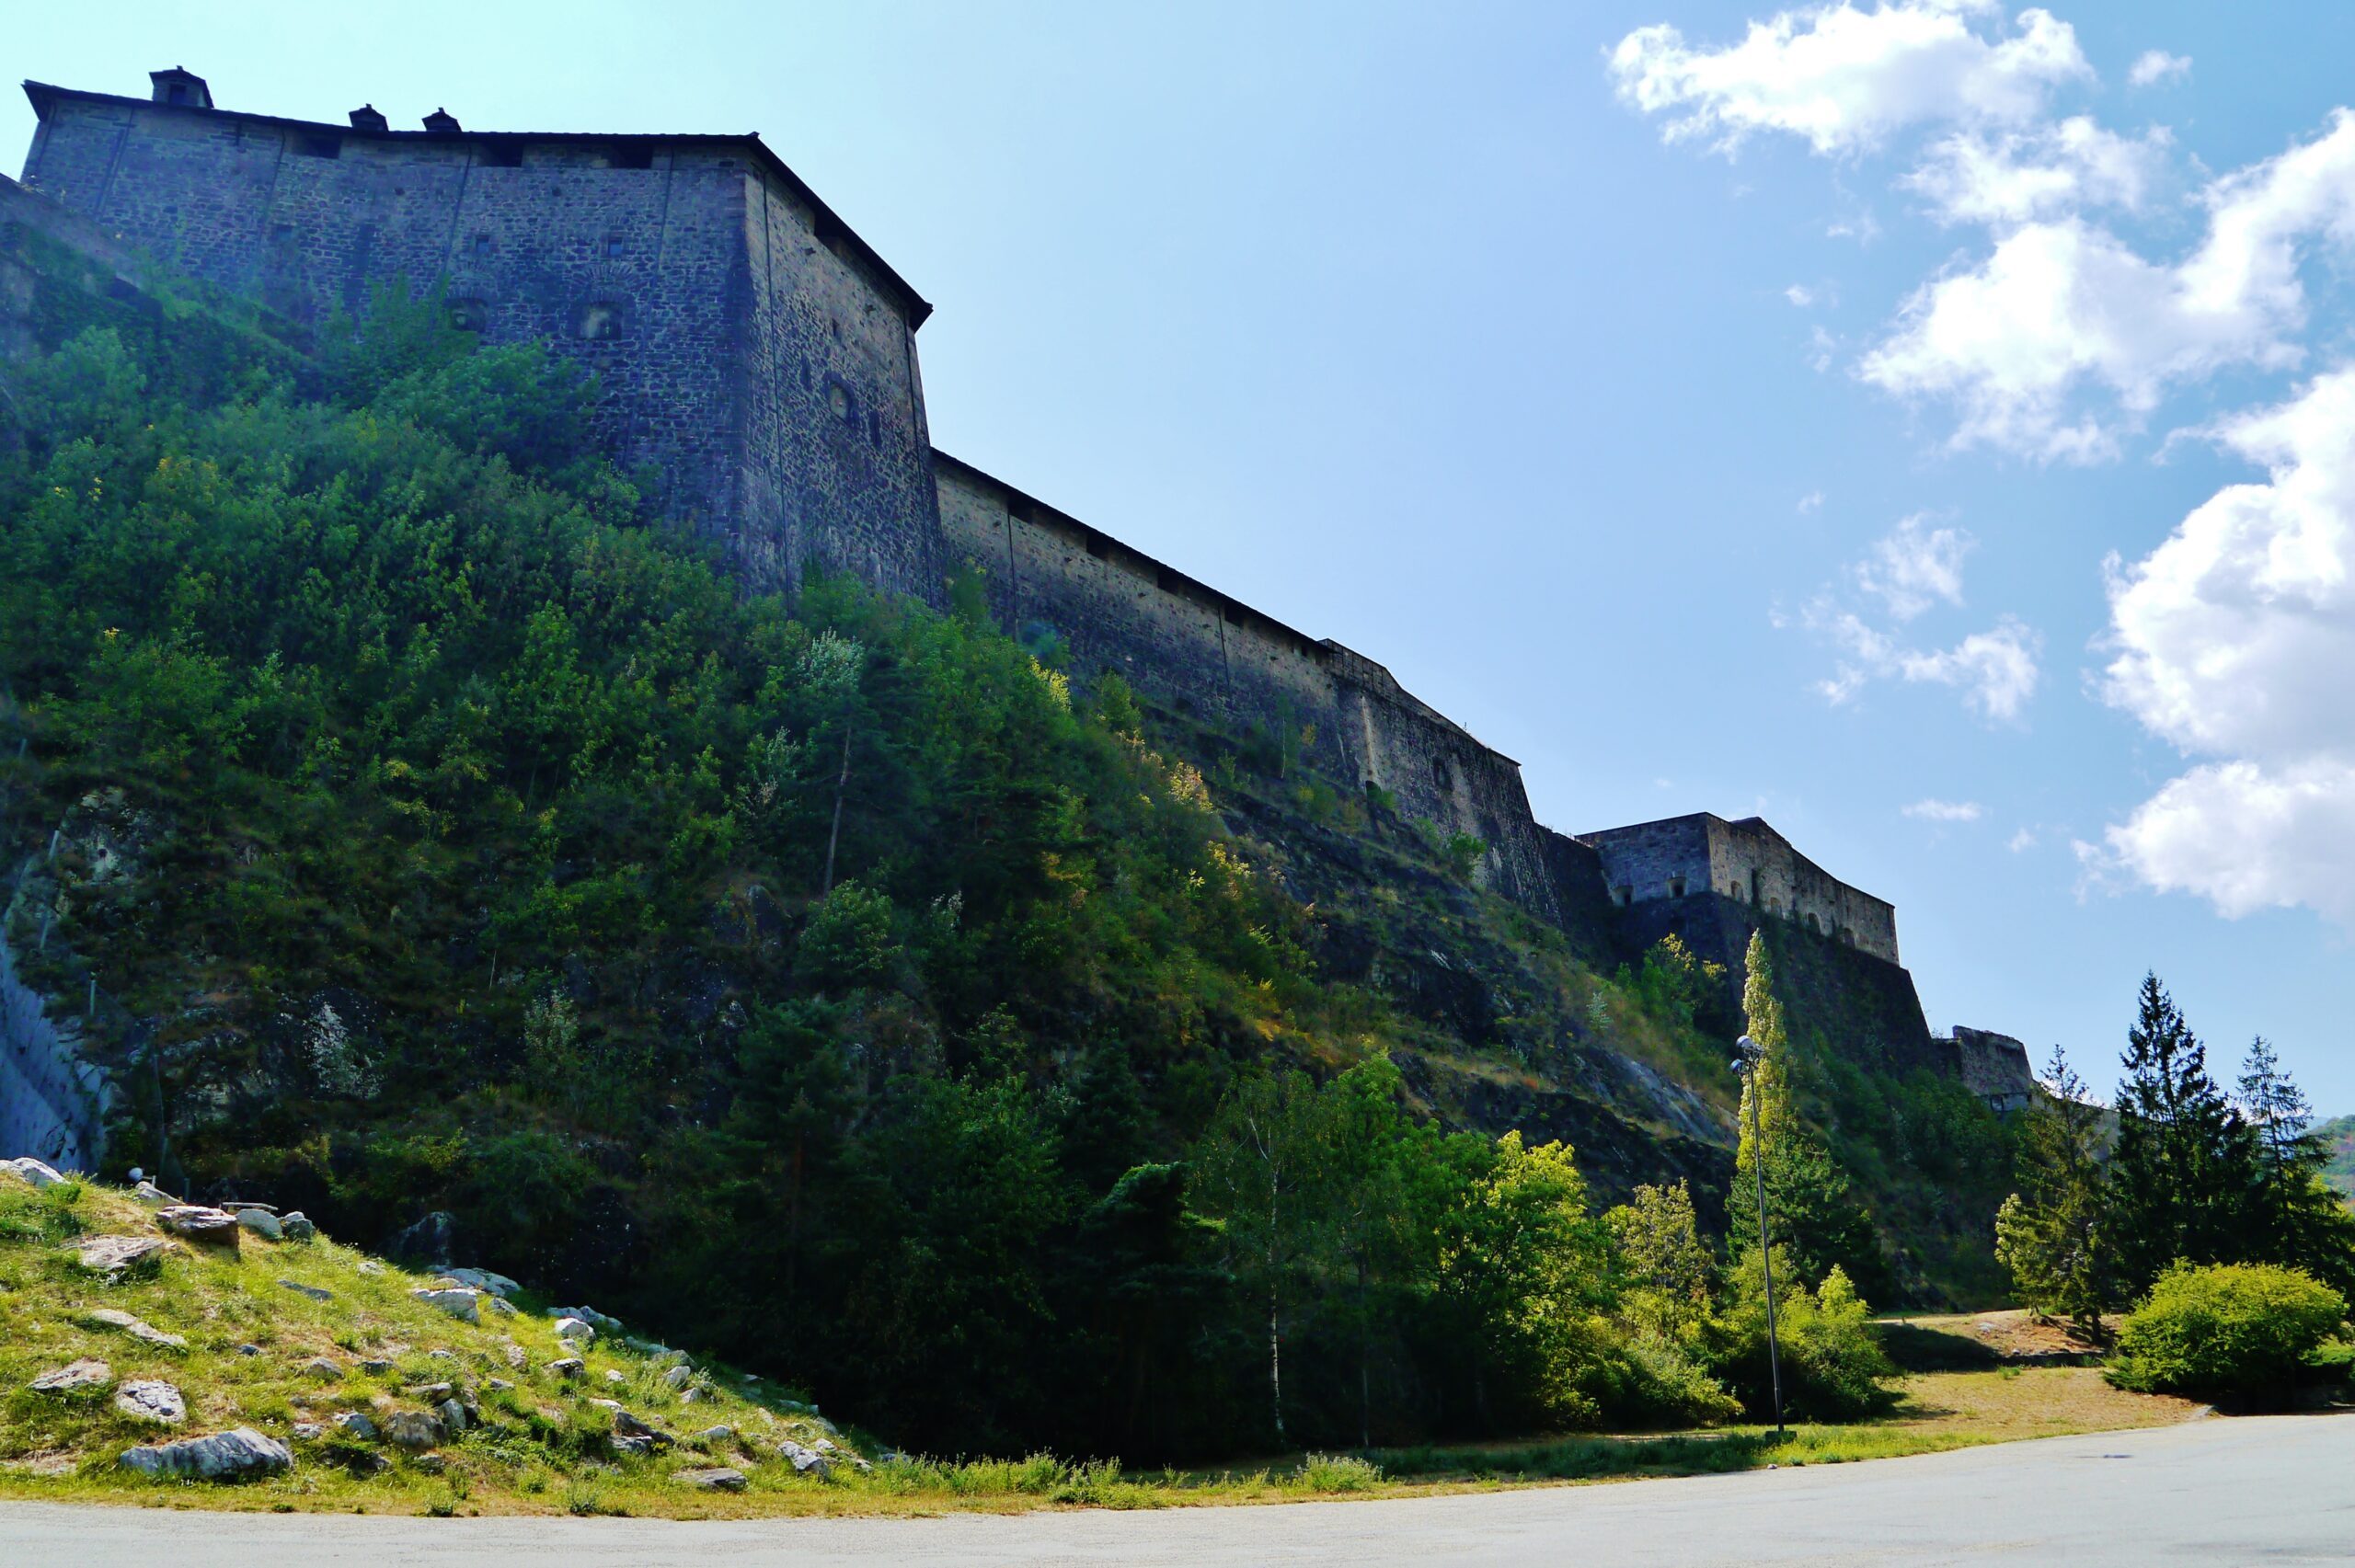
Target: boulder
x,y
73,1377
354,1424
589,1315
623,1445
225,1456
198,1224
569,1367
309,1431
313,1291
430,1241
29,1169
516,1359
236,1205
119,1255
459,1304
678,1377
454,1415
629,1426
262,1223
577,1330
249,1350
805,1461
711,1435
153,1195
124,1322
298,1227
323,1368
718,1478
412,1429
375,1366
146,1399
483,1279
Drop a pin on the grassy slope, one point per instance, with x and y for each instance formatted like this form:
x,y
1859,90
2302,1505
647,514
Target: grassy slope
x,y
542,1445
2339,1134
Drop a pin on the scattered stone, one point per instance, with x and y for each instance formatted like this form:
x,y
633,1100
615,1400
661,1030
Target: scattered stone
x,y
459,1304
369,1265
441,1354
516,1359
119,1255
623,1445
574,1330
108,1317
483,1279
199,1223
432,1393
313,1291
31,1170
719,1478
152,1195
146,1399
822,1445
805,1461
614,1375
692,1396
589,1315
249,1350
722,1432
237,1204
73,1377
569,1367
309,1431
323,1368
454,1415
375,1366
57,1463
678,1377
629,1426
224,1455
355,1425
499,1306
499,1384
412,1429
429,1464
298,1227
359,1461
262,1223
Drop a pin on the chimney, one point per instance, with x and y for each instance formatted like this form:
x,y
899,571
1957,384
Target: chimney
x,y
180,87
367,117
442,123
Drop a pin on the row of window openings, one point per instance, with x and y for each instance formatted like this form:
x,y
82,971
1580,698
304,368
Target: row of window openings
x,y
1624,895
481,247
489,156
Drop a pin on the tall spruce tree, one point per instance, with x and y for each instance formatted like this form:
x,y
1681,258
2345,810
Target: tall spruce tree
x,y
2185,1180
2303,1223
2052,1234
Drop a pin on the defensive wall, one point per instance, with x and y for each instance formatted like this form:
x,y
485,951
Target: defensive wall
x,y
748,347
760,358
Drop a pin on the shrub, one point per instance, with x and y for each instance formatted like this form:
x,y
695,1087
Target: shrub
x,y
2227,1331
1335,1473
1832,1364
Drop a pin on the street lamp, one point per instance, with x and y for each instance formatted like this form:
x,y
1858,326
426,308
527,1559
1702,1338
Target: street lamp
x,y
1746,1064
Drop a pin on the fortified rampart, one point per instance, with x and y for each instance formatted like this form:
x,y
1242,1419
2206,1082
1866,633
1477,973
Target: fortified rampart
x,y
748,347
760,358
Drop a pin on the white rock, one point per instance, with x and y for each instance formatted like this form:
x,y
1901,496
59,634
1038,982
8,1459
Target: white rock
x,y
110,1318
262,1223
153,1195
459,1304
577,1330
73,1377
483,1279
678,1377
31,1170
146,1398
718,1478
353,1424
119,1255
224,1455
589,1315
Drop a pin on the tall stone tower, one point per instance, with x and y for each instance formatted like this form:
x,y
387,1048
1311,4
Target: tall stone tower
x,y
748,347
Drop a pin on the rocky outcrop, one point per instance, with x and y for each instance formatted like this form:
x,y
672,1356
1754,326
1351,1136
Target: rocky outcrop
x,y
146,1398
234,1455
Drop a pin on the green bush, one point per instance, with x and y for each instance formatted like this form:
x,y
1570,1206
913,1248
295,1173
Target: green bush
x,y
1833,1367
2237,1332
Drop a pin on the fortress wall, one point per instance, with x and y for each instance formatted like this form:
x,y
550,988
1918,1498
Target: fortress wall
x,y
1757,864
836,446
741,346
1187,646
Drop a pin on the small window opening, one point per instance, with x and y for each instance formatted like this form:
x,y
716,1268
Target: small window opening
x,y
320,146
470,315
1623,895
177,93
626,158
480,246
499,155
1676,887
838,398
613,247
600,322
1099,547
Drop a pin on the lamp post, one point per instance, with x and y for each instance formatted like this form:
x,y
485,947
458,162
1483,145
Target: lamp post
x,y
1746,1064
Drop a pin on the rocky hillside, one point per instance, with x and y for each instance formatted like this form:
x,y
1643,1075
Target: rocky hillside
x,y
154,1343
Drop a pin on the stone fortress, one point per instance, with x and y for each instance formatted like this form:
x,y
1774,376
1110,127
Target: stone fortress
x,y
757,355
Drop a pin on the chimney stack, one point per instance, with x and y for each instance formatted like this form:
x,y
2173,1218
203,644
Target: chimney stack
x,y
442,123
367,117
179,86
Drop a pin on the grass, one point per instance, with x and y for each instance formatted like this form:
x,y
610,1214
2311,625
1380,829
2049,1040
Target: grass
x,y
542,1447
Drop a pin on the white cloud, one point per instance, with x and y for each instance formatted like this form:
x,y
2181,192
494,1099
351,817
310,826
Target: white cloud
x,y
1801,295
2157,65
1811,501
1916,565
1946,810
1822,347
1844,78
1996,669
2062,307
2021,842
2234,639
2000,180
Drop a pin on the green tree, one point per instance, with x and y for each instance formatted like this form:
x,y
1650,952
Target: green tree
x,y
2052,1234
1663,1264
2306,1225
2183,1179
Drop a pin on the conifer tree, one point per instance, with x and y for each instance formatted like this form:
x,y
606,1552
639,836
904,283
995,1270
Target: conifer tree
x,y
2051,1233
2185,1178
2305,1225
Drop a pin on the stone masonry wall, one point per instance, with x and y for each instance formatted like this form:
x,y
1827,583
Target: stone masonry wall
x,y
767,379
1749,863
1188,647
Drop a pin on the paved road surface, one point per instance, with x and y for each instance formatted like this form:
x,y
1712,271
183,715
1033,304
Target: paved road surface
x,y
2277,1490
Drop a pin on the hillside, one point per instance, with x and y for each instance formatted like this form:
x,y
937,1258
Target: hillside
x,y
2339,1136
420,835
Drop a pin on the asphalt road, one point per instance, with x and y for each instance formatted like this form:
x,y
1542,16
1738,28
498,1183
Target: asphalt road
x,y
2276,1490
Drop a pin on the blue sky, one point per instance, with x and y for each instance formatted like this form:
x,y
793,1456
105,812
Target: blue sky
x,y
1920,424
